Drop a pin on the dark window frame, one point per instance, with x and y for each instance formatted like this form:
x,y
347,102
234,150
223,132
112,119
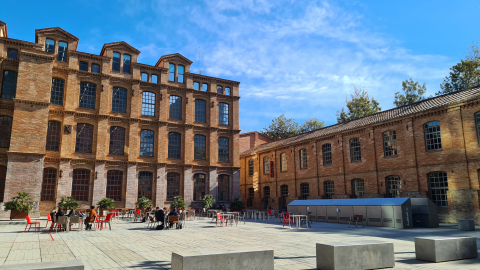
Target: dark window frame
x,y
12,53
148,103
219,89
145,185
173,185
223,113
196,86
438,188
9,84
116,64
174,145
3,177
302,155
147,145
433,136
50,48
329,189
283,162
127,63
250,168
81,184
57,91
327,154
199,186
228,92
175,107
180,76
204,87
477,124
88,95
114,185
85,141
389,143
154,78
200,110
95,70
62,53
223,149
54,136
304,191
49,184
266,165
358,188
117,141
119,99
171,73
223,188
393,184
83,66
146,77
199,147
5,131
355,150
266,192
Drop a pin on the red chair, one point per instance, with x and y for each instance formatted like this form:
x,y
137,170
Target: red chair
x,y
105,221
49,220
219,217
285,219
29,222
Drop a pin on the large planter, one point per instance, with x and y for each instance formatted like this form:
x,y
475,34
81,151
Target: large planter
x,y
15,214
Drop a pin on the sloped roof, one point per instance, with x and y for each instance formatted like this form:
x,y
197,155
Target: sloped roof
x,y
119,44
365,201
56,30
418,107
174,56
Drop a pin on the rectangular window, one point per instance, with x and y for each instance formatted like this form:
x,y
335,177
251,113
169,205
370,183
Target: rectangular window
x,y
48,185
3,176
145,180
205,87
198,186
266,192
84,138
227,91
154,78
81,185
148,103
171,72
53,135
173,186
9,84
219,90
181,71
438,187
266,165
62,51
394,186
355,151
5,131
250,167
223,113
175,107
305,191
126,63
389,143
95,68
56,96
329,189
196,86
200,148
50,45
119,100
303,158
200,110
433,137
223,188
283,162
147,139
174,145
114,185
12,54
116,62
327,154
358,188
87,95
144,77
117,140
223,153
83,66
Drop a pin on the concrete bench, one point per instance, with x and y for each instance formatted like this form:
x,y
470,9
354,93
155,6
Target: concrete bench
x,y
355,255
237,260
61,265
440,249
466,224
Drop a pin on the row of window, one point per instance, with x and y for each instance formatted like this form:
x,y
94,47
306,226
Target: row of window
x,y
433,141
62,49
81,185
437,181
83,66
220,89
84,141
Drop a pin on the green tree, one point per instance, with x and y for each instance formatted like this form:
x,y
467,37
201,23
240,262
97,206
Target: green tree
x,y
464,74
361,105
412,92
311,124
281,127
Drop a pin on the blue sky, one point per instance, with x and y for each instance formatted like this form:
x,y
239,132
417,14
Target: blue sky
x,y
298,58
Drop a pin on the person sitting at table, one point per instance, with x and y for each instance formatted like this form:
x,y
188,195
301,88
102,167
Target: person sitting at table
x,y
149,209
71,213
173,212
91,218
160,215
53,214
60,213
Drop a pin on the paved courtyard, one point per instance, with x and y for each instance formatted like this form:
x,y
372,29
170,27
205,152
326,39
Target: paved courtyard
x,y
132,245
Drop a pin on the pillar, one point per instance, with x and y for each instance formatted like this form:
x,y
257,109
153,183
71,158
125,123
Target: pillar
x,y
99,183
132,186
188,185
160,196
213,183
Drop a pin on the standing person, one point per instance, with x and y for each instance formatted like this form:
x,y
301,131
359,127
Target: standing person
x,y
90,218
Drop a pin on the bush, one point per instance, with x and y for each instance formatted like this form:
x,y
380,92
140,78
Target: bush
x,y
106,203
68,202
208,202
143,203
22,202
236,205
178,203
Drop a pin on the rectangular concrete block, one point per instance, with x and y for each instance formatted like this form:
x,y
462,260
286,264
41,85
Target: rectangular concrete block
x,y
62,265
439,249
355,255
237,260
466,224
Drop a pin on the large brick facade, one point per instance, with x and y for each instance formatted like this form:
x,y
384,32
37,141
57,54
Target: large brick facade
x,y
31,111
413,166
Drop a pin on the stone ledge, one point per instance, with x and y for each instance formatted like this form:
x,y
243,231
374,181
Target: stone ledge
x,y
440,249
61,265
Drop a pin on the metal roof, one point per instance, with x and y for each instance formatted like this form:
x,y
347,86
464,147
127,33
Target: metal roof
x,y
337,202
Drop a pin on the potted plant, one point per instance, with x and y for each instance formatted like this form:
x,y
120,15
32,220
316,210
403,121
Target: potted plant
x,y
19,206
105,204
178,203
67,202
208,201
143,203
236,205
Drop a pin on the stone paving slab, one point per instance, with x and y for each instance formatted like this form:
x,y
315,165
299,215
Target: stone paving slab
x,y
132,246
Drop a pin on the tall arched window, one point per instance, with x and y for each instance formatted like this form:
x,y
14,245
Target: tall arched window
x,y
3,177
329,189
175,107
223,113
358,188
147,138
62,51
223,188
84,138
477,124
199,147
390,143
250,167
145,180
283,162
327,154
171,72
56,94
199,186
119,100
355,150
438,187
433,136
9,84
266,165
81,184
53,136
173,185
5,131
304,191
148,103
50,45
302,155
116,61
87,95
174,145
114,185
181,71
48,184
126,63
394,186
117,141
223,149
200,110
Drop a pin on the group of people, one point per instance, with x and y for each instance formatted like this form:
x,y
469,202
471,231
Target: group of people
x,y
88,220
159,214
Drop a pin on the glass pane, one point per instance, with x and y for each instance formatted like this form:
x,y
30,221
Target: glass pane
x,y
205,87
5,132
200,110
199,147
175,107
148,104
53,136
116,62
87,95
144,77
56,96
171,72
181,70
126,63
227,91
219,90
95,68
223,153
9,84
223,113
146,143
196,86
50,45
62,51
117,140
154,79
83,66
12,54
114,185
119,100
174,145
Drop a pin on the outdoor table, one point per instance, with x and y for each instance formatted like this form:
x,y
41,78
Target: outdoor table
x,y
298,217
132,212
236,214
229,215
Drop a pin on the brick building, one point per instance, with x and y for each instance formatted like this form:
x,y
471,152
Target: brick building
x,y
427,149
95,126
252,139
